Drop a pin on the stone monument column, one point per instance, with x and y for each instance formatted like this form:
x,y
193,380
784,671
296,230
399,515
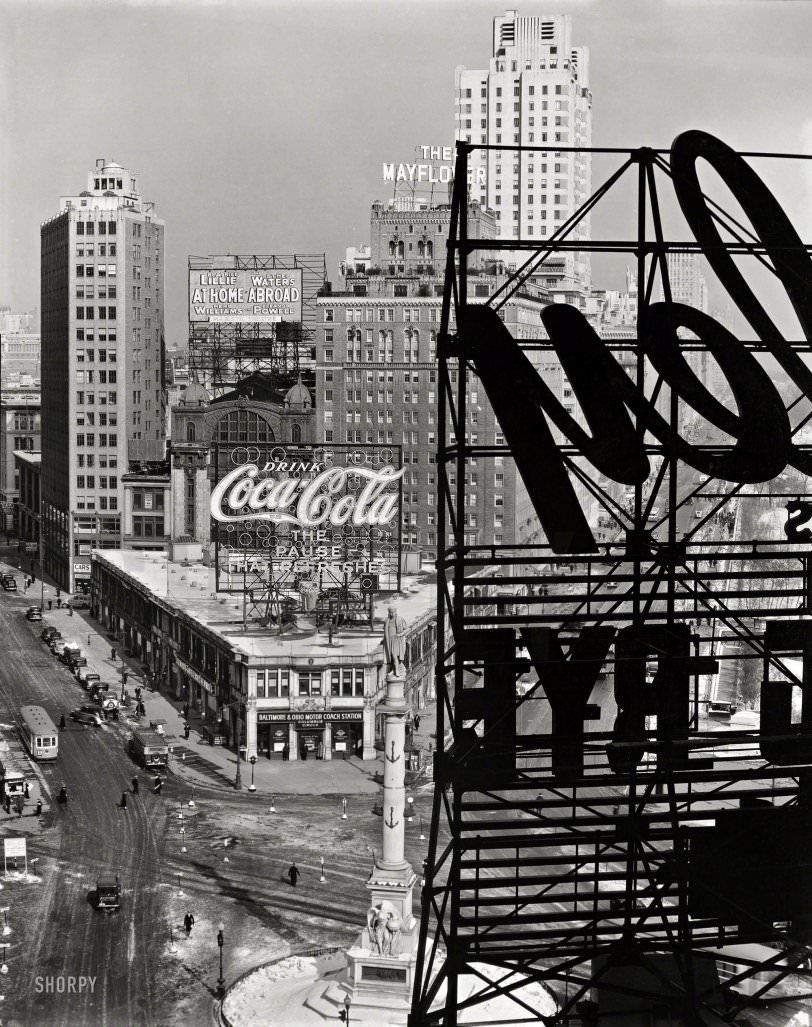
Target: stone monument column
x,y
381,964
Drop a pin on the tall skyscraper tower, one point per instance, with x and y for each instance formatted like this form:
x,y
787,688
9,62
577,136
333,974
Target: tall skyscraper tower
x,y
102,259
534,92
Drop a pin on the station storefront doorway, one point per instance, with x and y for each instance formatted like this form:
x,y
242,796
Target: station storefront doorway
x,y
310,743
289,735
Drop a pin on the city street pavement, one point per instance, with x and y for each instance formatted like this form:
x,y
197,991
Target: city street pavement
x,y
208,765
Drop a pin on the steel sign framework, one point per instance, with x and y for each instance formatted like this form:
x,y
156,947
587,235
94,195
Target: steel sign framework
x,y
607,836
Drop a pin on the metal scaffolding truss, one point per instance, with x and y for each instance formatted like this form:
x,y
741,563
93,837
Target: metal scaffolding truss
x,y
606,823
223,354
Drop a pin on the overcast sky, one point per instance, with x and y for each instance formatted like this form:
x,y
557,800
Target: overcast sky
x,y
260,127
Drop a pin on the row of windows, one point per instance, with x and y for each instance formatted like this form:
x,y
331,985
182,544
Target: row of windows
x,y
105,503
153,500
560,105
385,314
275,684
97,335
106,460
108,313
89,292
88,417
381,376
88,481
91,355
90,377
148,527
546,90
560,137
89,249
90,227
97,271
91,398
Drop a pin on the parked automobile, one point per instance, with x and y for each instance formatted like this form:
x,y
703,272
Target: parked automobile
x,y
71,649
9,584
50,632
57,646
86,715
33,613
80,602
75,662
85,676
100,693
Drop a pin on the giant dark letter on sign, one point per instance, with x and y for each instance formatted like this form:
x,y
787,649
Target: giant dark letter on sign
x,y
608,397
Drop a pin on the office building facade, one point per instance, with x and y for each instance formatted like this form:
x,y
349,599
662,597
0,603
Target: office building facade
x,y
377,373
102,258
534,93
19,432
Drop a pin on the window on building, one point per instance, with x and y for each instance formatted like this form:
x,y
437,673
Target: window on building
x,y
241,426
309,682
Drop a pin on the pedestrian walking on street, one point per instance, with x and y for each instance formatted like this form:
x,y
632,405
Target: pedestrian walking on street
x,y
38,809
186,730
7,804
62,723
135,786
50,603
417,721
293,874
158,786
25,790
123,803
188,923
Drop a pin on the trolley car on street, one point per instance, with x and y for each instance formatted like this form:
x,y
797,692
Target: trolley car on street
x,y
39,733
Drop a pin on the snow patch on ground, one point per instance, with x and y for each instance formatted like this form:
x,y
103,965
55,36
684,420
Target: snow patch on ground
x,y
503,1007
273,996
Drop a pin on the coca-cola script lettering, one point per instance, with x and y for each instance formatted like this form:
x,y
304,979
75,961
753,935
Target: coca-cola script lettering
x,y
243,496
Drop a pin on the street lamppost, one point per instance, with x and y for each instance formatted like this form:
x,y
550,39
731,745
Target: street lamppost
x,y
252,787
221,984
322,879
273,804
422,835
343,809
344,1013
6,928
410,808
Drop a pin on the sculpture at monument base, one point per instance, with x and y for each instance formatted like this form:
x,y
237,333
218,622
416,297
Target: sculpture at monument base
x,y
383,930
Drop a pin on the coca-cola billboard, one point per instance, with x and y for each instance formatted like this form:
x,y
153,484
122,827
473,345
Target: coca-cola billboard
x,y
306,520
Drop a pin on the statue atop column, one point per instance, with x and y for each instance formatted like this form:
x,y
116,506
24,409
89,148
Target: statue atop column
x,y
394,643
